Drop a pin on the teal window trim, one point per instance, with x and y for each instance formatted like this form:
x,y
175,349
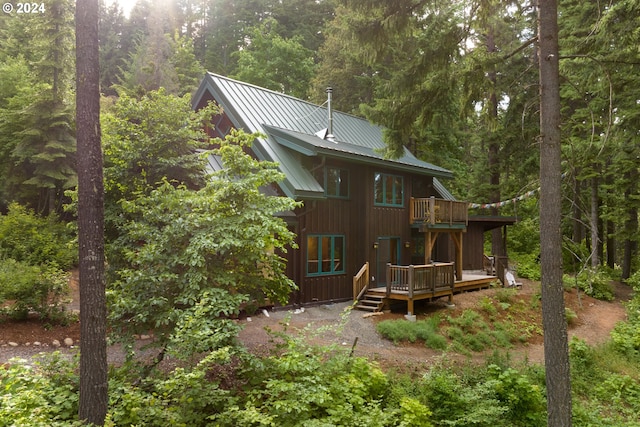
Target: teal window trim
x,y
388,190
336,182
325,254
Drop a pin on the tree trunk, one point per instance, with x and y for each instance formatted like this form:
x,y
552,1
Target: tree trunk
x,y
556,347
610,225
631,225
493,160
93,320
595,222
578,226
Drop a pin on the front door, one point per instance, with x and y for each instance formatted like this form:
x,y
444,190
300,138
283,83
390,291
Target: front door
x,y
388,252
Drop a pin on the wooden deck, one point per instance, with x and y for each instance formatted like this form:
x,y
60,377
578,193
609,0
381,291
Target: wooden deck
x,y
397,290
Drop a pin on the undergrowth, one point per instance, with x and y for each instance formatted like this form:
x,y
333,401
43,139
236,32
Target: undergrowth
x,y
497,323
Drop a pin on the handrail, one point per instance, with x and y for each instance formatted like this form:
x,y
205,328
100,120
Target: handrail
x,y
430,278
361,282
436,211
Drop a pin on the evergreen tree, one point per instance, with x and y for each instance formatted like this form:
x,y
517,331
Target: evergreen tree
x,y
39,131
556,346
275,63
114,49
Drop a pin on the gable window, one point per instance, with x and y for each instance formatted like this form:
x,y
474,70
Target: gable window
x,y
325,254
388,190
336,182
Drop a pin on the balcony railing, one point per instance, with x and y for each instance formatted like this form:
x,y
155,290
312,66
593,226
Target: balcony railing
x,y
434,211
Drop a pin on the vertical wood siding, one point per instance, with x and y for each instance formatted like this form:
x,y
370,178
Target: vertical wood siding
x,y
360,222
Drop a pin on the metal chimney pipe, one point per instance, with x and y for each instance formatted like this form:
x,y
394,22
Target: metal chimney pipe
x,y
330,112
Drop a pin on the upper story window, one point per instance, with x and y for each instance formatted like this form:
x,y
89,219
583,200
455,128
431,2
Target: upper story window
x,y
388,189
336,182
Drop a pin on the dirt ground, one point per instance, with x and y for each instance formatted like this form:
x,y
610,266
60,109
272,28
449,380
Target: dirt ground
x,y
595,321
321,324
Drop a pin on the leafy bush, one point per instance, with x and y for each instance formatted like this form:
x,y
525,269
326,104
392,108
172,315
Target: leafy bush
x,y
596,284
527,265
182,397
28,238
456,402
626,335
304,385
187,259
525,401
25,288
470,332
404,330
623,391
42,394
570,315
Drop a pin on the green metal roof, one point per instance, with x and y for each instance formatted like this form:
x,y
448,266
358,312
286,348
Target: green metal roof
x,y
292,126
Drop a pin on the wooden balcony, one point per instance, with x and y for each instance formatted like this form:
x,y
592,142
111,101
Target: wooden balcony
x,y
432,212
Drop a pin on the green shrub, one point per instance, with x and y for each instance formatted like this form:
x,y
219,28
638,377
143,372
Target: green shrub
x,y
455,401
527,265
595,283
404,330
634,281
506,295
570,315
25,288
525,401
44,393
26,237
622,391
181,397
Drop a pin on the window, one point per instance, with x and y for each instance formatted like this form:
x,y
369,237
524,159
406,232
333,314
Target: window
x,y
325,254
336,182
388,190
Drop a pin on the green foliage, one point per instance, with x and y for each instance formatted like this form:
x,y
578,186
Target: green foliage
x,y
273,62
525,401
35,240
301,384
414,413
41,394
596,284
25,288
626,335
455,402
527,265
37,118
35,252
470,332
187,259
182,397
570,315
150,139
404,330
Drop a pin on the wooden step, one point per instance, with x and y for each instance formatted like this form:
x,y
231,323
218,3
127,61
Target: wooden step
x,y
371,303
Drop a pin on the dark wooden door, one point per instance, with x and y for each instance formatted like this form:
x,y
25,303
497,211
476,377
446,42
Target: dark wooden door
x,y
388,252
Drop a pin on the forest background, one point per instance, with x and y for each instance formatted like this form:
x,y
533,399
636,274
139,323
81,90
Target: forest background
x,y
455,82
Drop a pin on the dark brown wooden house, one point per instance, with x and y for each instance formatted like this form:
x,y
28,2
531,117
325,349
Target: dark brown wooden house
x,y
363,214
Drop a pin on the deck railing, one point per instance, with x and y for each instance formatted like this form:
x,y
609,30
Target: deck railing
x,y
361,282
430,278
438,211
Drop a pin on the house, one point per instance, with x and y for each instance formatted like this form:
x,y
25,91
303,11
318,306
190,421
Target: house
x,y
367,222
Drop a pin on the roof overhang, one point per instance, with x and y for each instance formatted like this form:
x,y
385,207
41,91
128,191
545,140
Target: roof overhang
x,y
489,222
311,145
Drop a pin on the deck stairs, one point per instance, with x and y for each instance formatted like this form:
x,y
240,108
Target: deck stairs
x,y
371,302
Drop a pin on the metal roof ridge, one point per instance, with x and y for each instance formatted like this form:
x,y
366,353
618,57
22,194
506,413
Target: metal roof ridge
x,y
285,95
